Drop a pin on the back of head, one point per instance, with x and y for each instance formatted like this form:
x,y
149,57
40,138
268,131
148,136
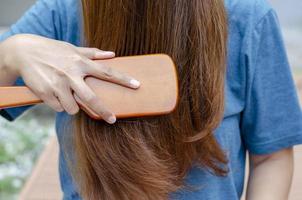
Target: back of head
x,y
148,157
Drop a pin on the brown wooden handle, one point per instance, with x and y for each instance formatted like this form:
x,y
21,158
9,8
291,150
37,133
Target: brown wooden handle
x,y
17,96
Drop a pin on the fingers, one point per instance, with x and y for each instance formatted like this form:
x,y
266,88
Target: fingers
x,y
67,100
94,53
88,97
103,72
87,109
53,102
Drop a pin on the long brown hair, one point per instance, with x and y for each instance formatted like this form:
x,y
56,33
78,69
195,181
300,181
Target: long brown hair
x,y
147,158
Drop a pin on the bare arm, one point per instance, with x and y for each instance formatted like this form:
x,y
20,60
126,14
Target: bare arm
x,y
53,70
6,76
270,176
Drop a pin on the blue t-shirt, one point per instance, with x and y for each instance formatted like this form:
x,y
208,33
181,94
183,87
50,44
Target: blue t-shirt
x,y
262,114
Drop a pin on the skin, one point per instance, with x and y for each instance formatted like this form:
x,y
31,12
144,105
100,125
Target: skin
x,y
270,175
53,69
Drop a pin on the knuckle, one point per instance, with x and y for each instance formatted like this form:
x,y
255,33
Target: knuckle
x,y
69,71
56,89
76,58
74,81
107,71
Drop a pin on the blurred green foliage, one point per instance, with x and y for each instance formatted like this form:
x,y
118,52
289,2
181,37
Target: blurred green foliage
x,y
21,142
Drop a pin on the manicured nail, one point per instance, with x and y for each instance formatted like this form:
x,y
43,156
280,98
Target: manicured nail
x,y
135,83
105,53
109,53
112,119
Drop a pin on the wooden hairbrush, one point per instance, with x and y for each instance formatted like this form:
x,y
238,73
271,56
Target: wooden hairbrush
x,y
157,95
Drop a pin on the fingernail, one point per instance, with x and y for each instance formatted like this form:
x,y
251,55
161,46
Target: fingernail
x,y
135,83
109,53
112,119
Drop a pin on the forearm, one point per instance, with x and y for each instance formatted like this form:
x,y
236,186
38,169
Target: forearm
x,y
6,78
270,176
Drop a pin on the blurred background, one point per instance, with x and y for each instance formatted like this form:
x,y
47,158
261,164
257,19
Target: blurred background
x,y
23,141
32,135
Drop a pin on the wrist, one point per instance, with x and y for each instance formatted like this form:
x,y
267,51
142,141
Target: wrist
x,y
8,74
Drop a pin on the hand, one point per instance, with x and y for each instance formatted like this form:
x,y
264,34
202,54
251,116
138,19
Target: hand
x,y
53,70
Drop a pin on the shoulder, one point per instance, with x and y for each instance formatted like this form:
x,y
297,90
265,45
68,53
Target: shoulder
x,y
67,5
66,9
58,4
68,13
252,22
246,14
253,37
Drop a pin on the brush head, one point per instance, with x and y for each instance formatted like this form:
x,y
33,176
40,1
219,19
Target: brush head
x,y
157,95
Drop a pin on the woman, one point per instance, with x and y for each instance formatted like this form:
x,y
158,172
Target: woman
x,y
261,112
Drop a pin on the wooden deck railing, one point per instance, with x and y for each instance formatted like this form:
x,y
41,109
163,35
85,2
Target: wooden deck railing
x,y
43,184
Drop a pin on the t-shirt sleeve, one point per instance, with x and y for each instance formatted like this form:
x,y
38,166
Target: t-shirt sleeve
x,y
41,19
272,118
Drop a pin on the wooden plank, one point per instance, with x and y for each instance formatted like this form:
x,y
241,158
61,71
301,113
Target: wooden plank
x,y
43,184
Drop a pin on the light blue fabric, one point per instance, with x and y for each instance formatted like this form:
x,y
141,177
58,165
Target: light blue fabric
x,y
262,113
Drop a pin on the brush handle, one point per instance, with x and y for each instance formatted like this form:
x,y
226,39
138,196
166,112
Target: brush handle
x,y
16,96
